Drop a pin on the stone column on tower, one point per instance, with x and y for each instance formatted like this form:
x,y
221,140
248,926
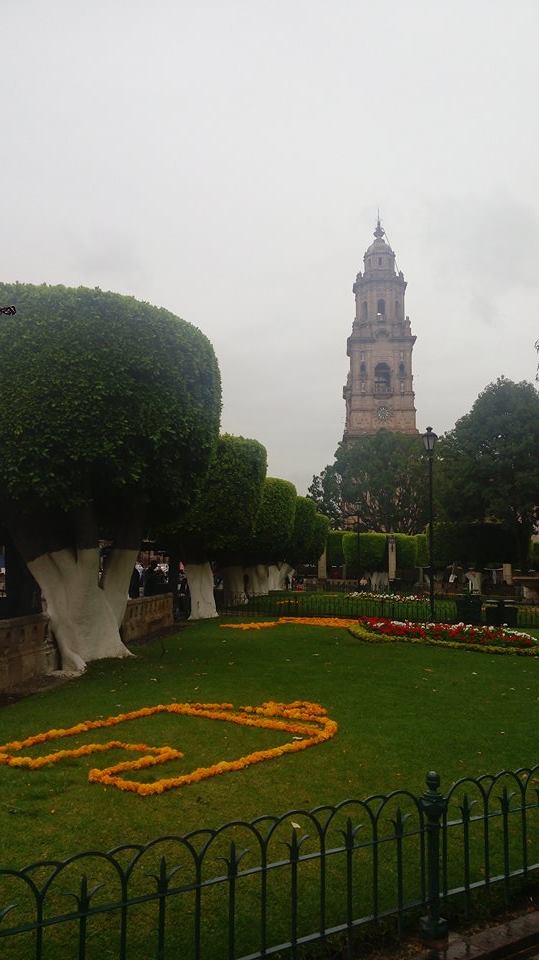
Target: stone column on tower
x,y
379,387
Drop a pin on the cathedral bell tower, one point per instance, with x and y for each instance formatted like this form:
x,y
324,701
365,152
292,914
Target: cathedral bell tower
x,y
379,388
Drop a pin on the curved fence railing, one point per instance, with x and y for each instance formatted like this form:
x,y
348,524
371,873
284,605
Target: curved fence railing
x,y
249,890
448,608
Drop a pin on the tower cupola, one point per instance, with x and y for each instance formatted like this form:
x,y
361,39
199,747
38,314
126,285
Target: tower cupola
x,y
379,256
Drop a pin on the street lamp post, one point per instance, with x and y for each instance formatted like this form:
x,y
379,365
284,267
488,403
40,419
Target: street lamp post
x,y
429,441
358,556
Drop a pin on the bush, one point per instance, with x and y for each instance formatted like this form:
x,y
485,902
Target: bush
x,y
473,544
320,536
335,556
274,523
301,543
422,558
406,551
372,547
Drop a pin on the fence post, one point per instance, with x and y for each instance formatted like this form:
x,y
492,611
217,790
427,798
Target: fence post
x,y
433,805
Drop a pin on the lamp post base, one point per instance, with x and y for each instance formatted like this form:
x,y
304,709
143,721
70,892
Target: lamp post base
x,y
433,929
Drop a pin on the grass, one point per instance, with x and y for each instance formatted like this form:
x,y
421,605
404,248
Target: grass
x,y
401,710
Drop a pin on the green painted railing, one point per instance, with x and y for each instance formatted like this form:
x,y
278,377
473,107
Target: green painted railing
x,y
277,884
449,608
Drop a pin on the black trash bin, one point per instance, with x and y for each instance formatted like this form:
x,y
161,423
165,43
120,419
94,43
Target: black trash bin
x,y
468,608
500,613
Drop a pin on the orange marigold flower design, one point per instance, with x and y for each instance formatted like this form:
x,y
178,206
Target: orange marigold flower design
x,y
301,717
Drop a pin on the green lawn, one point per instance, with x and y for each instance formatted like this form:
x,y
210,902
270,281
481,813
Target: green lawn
x,y
401,710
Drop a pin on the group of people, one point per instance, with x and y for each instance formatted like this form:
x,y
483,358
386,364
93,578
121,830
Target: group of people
x,y
147,582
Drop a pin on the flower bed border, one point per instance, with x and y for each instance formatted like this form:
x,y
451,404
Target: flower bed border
x,y
367,636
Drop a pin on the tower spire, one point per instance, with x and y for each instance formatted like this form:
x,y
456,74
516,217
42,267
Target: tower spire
x,y
379,232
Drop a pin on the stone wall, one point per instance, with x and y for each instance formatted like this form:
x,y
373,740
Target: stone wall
x,y
28,648
146,617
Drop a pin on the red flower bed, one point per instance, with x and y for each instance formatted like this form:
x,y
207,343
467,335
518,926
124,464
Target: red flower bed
x,y
449,632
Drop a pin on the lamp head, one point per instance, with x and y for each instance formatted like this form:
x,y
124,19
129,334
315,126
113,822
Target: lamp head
x,y
429,439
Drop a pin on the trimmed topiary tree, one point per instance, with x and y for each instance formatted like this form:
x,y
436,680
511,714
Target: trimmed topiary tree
x,y
476,544
301,541
373,548
114,410
320,536
422,558
223,517
406,551
273,532
335,555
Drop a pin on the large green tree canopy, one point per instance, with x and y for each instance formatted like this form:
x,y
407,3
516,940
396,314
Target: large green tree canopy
x,y
111,414
381,478
224,515
107,397
490,465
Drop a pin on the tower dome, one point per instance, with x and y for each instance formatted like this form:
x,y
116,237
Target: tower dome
x,y
379,256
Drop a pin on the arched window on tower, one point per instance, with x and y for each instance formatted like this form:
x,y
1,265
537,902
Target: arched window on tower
x,y
402,371
381,308
382,379
364,310
363,370
397,310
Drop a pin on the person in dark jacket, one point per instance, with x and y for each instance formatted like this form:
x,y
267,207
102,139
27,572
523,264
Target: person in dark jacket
x,y
134,585
153,580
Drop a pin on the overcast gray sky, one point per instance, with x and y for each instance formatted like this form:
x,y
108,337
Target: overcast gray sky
x,y
226,159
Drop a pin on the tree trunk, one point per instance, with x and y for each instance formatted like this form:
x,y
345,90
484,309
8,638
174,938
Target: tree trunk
x,y
234,585
200,580
285,571
274,576
258,579
115,580
62,555
83,621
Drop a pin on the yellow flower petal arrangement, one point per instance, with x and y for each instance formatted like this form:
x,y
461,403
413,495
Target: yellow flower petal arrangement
x,y
305,720
306,621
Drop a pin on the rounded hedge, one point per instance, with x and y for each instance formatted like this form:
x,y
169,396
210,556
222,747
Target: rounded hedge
x,y
406,551
335,555
225,512
372,548
320,536
274,523
103,395
302,535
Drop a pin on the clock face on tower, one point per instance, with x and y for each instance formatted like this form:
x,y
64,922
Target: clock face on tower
x,y
383,413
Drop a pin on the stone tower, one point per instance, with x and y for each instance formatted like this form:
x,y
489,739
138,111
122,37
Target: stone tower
x,y
379,388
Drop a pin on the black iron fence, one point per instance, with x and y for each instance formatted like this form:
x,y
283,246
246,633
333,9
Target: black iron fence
x,y
448,608
274,885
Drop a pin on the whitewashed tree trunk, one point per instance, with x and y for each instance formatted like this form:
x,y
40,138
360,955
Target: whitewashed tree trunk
x,y
379,580
274,571
200,580
284,571
475,578
82,619
233,584
115,581
258,579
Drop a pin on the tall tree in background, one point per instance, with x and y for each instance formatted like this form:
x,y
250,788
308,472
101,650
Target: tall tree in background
x,y
491,461
325,490
380,478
